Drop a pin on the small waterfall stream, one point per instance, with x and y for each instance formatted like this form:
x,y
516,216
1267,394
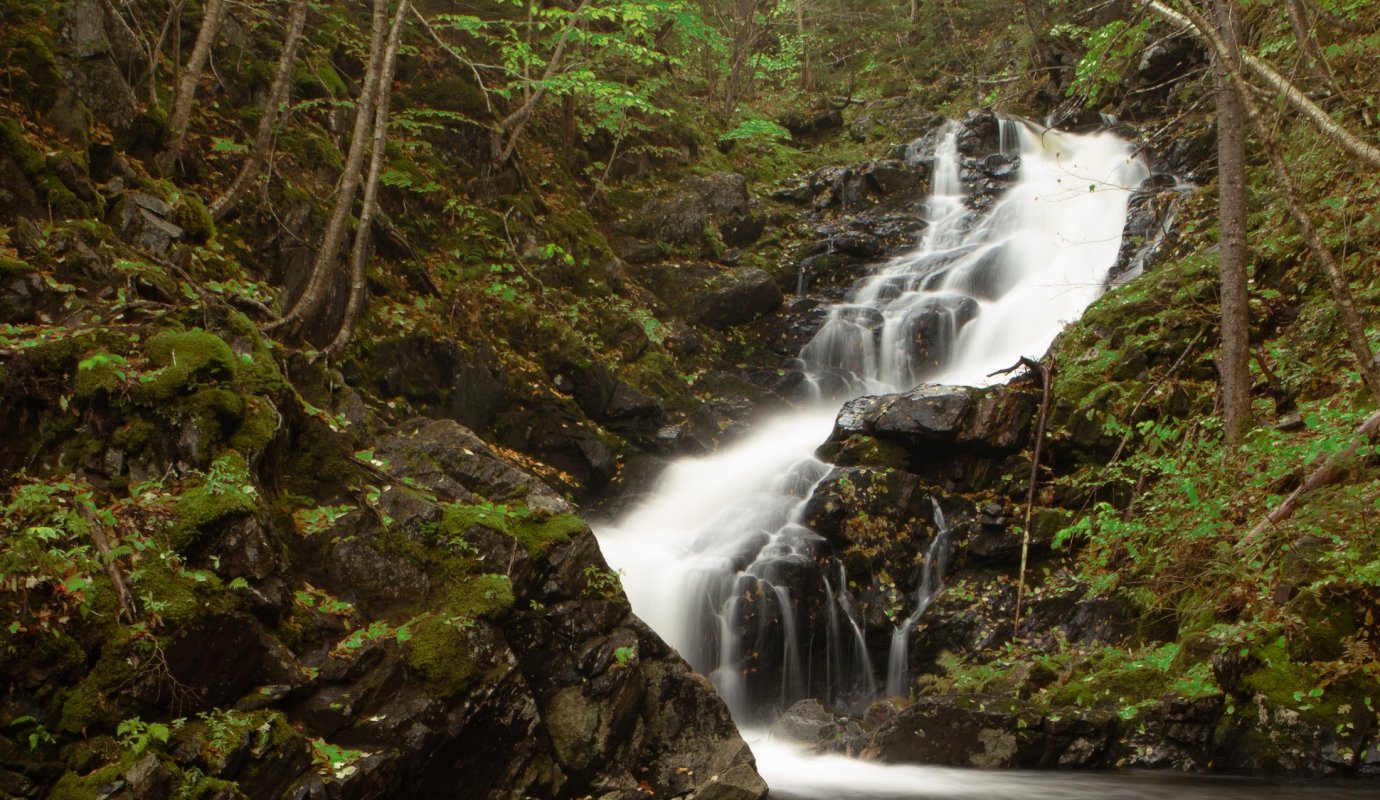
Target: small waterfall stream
x,y
718,560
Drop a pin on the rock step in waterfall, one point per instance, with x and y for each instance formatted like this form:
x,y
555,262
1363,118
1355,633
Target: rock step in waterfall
x,y
720,559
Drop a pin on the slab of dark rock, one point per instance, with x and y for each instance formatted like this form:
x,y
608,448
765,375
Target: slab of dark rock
x,y
936,421
742,295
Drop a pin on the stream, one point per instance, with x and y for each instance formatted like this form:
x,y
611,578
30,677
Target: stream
x,y
717,560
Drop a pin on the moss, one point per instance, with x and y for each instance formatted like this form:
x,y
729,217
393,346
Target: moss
x,y
256,372
133,436
35,77
101,378
319,79
35,167
183,358
227,492
479,596
13,266
192,216
535,534
860,450
85,787
260,425
439,651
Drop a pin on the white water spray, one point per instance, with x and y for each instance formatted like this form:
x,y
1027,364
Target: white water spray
x,y
718,560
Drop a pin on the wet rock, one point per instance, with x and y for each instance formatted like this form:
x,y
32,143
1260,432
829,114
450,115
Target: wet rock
x,y
553,430
362,568
452,461
241,547
212,661
148,779
962,731
610,401
891,176
807,721
436,376
979,134
741,296
991,421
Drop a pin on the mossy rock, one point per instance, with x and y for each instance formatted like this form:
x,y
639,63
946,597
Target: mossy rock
x,y
183,357
860,450
195,220
36,77
227,492
10,267
534,533
260,425
440,652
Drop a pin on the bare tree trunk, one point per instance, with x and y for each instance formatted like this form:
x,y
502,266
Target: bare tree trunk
x,y
325,263
360,249
1192,19
1337,283
1234,365
805,79
1309,51
212,14
263,137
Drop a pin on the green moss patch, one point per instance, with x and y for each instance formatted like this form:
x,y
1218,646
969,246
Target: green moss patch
x,y
535,534
184,357
227,491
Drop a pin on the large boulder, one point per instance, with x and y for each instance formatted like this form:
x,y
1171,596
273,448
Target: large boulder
x,y
741,296
936,422
684,216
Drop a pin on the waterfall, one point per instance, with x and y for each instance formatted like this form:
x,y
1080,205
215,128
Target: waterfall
x,y
931,581
718,560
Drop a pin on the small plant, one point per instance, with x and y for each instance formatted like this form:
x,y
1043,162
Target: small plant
x,y
623,656
136,735
334,760
602,582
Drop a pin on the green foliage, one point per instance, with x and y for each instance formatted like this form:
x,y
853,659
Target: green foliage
x,y
333,760
534,533
1110,50
136,735
600,582
754,128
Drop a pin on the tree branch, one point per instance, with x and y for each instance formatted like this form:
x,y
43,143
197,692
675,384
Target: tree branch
x,y
1192,19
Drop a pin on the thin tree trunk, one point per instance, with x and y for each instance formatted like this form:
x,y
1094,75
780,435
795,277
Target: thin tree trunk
x,y
1234,366
325,263
804,44
1296,99
508,131
263,137
1337,283
212,14
360,249
1046,395
1309,51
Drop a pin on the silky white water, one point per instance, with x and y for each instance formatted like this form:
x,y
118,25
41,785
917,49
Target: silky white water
x,y
717,559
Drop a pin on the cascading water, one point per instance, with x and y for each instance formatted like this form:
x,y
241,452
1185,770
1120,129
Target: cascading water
x,y
718,560
931,581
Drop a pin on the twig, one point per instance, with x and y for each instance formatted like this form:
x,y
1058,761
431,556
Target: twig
x,y
112,567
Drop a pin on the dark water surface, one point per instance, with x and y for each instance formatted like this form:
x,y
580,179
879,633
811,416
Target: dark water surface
x,y
796,775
